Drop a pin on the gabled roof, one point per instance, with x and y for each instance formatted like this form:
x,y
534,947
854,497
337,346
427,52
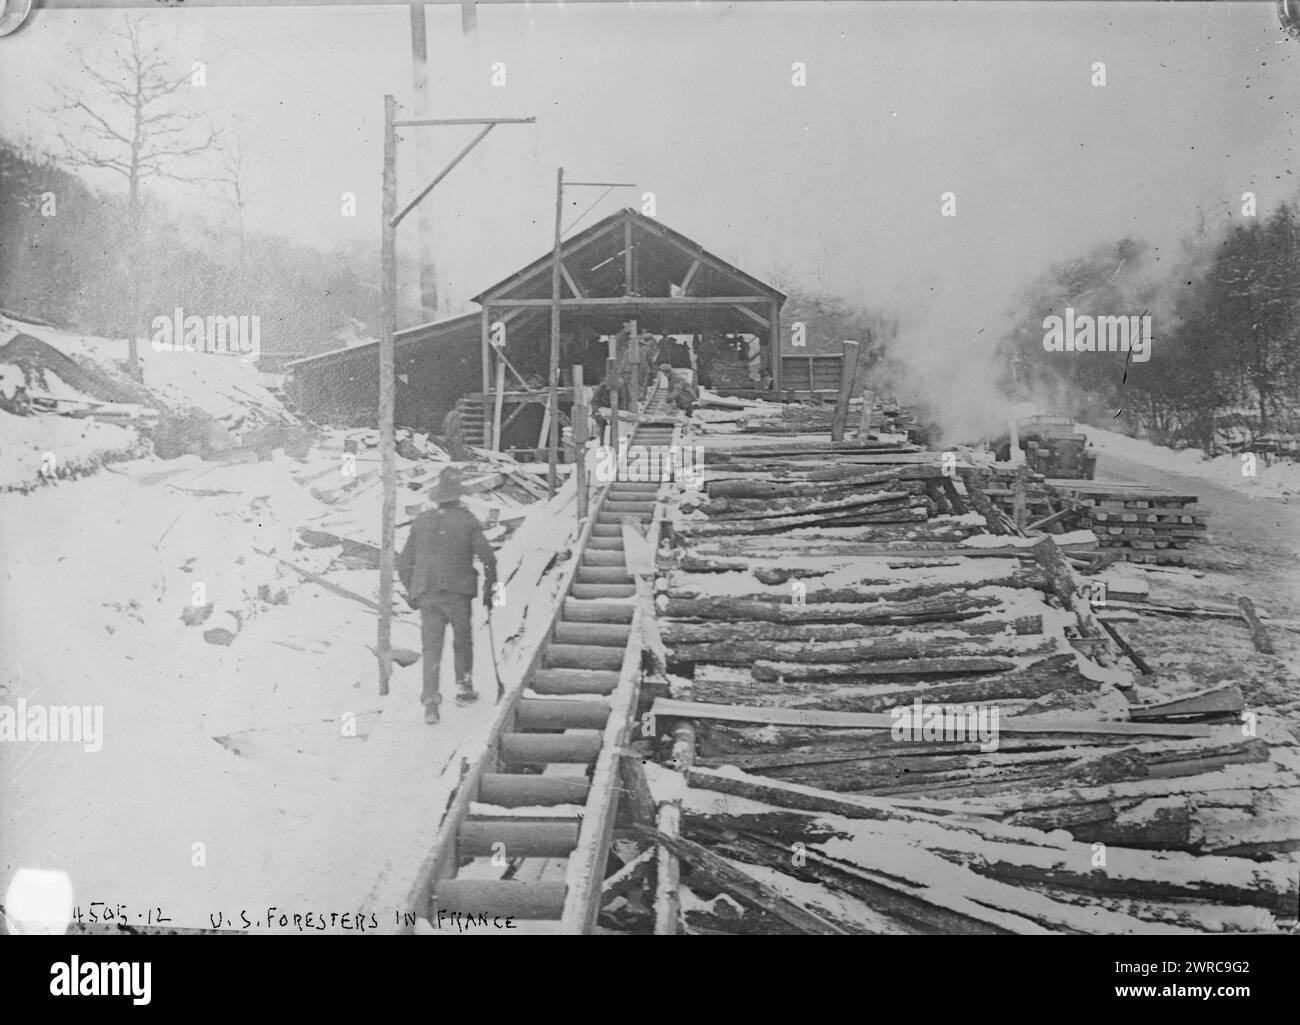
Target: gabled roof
x,y
436,331
601,241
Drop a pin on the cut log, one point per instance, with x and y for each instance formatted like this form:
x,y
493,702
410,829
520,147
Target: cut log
x,y
816,656
681,586
668,900
767,508
765,669
1052,675
975,492
677,632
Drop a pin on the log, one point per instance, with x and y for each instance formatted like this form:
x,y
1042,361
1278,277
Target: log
x,y
748,488
975,492
1050,676
1048,555
848,374
676,632
910,667
1257,632
668,900
894,513
817,657
1065,865
849,593
726,877
1143,667
768,508
943,607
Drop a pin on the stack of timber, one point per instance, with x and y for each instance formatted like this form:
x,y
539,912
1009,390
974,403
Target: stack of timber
x,y
1143,523
812,606
815,418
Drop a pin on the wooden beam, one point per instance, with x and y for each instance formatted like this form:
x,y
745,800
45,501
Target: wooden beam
x,y
568,280
662,301
543,265
848,373
751,315
627,257
495,440
774,346
690,276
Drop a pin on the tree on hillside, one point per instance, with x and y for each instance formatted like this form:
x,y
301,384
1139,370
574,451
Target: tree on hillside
x,y
132,121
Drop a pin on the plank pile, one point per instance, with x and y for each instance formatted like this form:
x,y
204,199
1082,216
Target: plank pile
x,y
1143,523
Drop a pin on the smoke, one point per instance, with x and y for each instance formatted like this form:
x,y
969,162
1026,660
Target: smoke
x,y
968,355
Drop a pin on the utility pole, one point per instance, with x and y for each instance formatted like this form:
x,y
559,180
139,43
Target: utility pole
x,y
387,462
553,399
392,217
425,226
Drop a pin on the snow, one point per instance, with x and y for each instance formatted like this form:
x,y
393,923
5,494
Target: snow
x,y
1278,480
25,440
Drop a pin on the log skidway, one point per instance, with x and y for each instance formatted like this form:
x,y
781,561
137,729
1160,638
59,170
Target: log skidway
x,y
527,833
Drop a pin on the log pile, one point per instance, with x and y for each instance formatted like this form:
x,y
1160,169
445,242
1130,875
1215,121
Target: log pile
x,y
799,623
1144,524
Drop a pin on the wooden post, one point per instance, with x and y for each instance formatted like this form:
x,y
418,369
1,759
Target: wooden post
x,y
611,374
1019,500
388,464
1013,429
775,346
484,333
634,361
496,407
581,417
848,371
553,400
864,423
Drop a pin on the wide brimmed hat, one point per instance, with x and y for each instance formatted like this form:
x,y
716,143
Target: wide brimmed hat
x,y
448,487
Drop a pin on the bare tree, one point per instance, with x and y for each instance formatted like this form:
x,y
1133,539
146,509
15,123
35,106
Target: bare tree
x,y
132,123
234,160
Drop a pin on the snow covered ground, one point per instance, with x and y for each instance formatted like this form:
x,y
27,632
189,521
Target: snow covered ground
x,y
228,777
1279,480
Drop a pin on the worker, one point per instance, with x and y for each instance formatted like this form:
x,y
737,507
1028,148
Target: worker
x,y
436,568
602,397
681,392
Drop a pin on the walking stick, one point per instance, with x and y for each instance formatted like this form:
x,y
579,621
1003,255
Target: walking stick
x,y
496,669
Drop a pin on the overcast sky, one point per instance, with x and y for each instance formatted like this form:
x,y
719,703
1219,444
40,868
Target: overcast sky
x,y
838,182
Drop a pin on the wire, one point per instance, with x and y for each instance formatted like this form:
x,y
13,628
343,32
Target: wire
x,y
584,213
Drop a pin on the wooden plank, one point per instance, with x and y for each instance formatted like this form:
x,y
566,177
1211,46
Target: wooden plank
x,y
1214,701
675,709
727,877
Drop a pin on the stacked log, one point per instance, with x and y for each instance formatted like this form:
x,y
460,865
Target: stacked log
x,y
938,873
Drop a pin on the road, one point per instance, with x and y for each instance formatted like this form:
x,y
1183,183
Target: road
x,y
1255,539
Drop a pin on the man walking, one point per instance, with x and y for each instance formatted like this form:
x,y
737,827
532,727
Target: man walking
x,y
437,569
